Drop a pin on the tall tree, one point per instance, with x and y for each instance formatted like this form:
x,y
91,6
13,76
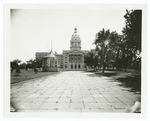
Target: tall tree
x,y
132,35
116,45
132,29
101,41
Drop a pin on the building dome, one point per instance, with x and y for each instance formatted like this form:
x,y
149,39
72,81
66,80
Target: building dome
x,y
75,36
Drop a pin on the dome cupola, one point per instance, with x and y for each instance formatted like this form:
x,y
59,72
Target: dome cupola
x,y
75,43
75,36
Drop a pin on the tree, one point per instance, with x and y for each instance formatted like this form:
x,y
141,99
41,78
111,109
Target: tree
x,y
23,66
115,46
15,64
31,61
132,30
38,62
18,71
132,36
35,70
101,42
30,64
91,59
109,46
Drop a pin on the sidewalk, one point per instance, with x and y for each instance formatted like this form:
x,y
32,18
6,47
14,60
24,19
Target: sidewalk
x,y
71,91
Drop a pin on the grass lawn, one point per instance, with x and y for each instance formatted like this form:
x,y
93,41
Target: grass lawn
x,y
130,79
28,74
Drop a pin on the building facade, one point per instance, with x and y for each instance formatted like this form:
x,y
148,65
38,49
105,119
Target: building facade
x,y
72,59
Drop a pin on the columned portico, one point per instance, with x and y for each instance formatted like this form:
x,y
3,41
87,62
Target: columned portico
x,y
75,61
75,58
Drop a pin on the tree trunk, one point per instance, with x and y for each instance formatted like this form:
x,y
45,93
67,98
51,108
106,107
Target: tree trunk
x,y
117,60
103,67
103,70
125,70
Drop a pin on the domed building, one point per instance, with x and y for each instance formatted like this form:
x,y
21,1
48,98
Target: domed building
x,y
72,59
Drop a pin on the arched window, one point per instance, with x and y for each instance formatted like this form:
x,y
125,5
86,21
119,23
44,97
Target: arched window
x,y
79,58
72,58
71,66
79,66
75,66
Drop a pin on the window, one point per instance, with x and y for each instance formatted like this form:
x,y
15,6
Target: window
x,y
71,66
75,66
79,58
79,66
65,66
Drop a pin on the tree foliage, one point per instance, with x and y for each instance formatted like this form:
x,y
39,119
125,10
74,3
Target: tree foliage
x,y
91,59
15,64
105,42
121,51
38,62
30,64
23,66
132,29
132,35
18,71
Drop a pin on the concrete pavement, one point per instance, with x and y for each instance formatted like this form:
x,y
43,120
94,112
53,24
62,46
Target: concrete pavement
x,y
71,91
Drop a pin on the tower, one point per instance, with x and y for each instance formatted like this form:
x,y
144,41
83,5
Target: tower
x,y
75,42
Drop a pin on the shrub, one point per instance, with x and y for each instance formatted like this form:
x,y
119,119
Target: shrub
x,y
18,71
35,70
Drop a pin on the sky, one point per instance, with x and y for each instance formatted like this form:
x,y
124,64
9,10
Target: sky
x,y
32,30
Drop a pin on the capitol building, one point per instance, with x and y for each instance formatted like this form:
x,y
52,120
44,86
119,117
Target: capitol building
x,y
72,59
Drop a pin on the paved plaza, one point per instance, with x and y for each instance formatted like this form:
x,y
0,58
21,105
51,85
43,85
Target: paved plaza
x,y
71,91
